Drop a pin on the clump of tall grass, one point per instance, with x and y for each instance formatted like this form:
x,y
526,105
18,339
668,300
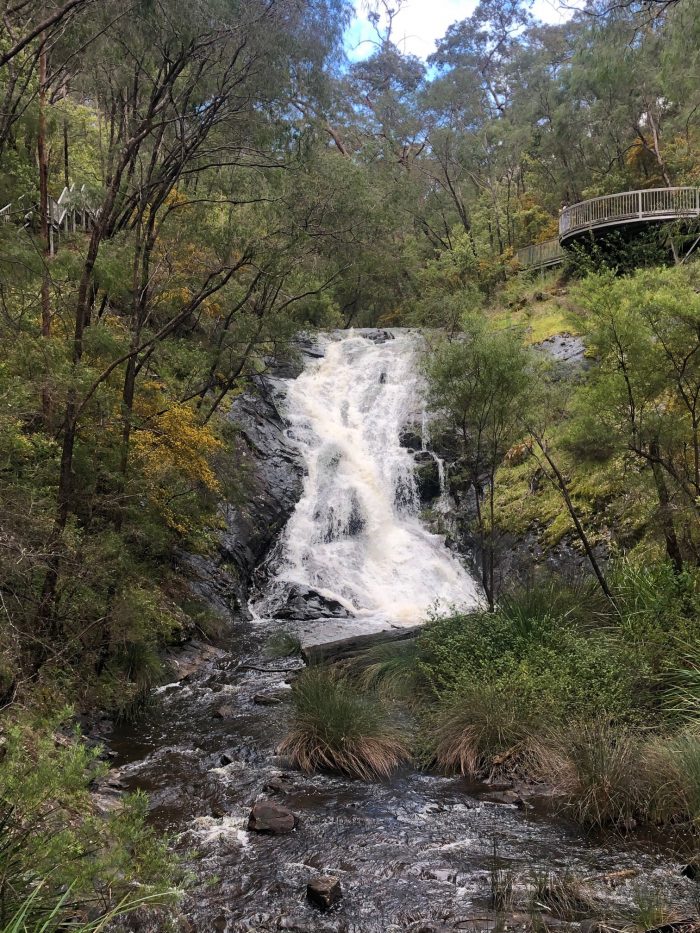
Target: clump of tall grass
x,y
599,774
670,773
338,727
282,644
481,733
563,896
34,916
391,669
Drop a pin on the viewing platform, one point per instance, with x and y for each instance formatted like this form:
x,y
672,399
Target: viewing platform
x,y
648,205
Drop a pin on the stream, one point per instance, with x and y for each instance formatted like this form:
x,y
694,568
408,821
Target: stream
x,y
420,852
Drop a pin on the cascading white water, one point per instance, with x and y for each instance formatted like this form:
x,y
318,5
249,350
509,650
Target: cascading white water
x,y
355,535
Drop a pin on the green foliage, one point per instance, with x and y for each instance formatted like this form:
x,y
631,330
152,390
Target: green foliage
x,y
53,838
619,252
533,651
390,669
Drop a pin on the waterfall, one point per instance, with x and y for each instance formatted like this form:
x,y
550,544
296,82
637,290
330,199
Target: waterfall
x,y
355,535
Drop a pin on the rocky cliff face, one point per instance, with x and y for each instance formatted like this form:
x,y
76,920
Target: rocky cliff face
x,y
271,477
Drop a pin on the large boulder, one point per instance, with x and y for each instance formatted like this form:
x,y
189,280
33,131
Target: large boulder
x,y
271,818
411,438
303,604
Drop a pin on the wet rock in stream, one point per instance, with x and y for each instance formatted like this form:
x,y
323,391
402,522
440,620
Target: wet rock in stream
x,y
324,891
303,604
269,817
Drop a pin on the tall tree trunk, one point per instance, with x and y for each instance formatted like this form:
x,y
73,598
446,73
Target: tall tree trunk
x,y
44,219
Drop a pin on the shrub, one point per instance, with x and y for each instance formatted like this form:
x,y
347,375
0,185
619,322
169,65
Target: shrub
x,y
535,649
338,728
54,840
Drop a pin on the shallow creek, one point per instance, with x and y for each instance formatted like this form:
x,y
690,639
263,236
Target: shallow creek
x,y
415,853
419,848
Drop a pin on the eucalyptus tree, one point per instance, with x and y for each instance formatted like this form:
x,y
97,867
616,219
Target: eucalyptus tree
x,y
187,93
642,401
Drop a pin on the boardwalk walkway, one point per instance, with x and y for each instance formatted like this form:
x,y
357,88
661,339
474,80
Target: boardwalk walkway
x,y
67,213
650,205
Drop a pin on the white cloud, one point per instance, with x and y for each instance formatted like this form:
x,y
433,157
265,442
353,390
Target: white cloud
x,y
420,23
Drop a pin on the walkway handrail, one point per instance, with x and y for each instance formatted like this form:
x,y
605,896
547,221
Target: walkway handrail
x,y
629,207
67,213
540,255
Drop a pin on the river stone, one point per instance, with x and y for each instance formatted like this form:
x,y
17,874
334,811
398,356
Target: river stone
x,y
268,699
324,891
269,817
427,476
226,711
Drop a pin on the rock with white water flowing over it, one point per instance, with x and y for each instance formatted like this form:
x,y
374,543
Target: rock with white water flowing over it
x,y
324,891
304,603
355,537
269,817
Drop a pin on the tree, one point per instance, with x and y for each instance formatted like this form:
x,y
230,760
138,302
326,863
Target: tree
x,y
478,384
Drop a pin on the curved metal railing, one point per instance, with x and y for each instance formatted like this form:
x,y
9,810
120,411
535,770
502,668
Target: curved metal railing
x,y
629,207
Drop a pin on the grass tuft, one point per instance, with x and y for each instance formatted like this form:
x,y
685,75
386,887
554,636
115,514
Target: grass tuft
x,y
282,644
482,733
338,728
600,774
390,669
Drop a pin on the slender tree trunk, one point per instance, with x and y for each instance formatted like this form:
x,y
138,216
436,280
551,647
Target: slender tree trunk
x,y
665,510
66,168
563,486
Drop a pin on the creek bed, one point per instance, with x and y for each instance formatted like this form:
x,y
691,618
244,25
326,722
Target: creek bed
x,y
416,852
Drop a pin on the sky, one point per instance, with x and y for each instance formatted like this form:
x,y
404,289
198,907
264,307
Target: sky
x,y
421,22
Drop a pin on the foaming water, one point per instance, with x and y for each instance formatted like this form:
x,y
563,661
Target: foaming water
x,y
355,535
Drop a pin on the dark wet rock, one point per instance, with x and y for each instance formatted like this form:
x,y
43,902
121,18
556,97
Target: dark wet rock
x,y
269,463
303,604
427,477
324,891
503,797
225,711
411,438
183,662
269,817
281,784
272,698
691,870
374,334
226,759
